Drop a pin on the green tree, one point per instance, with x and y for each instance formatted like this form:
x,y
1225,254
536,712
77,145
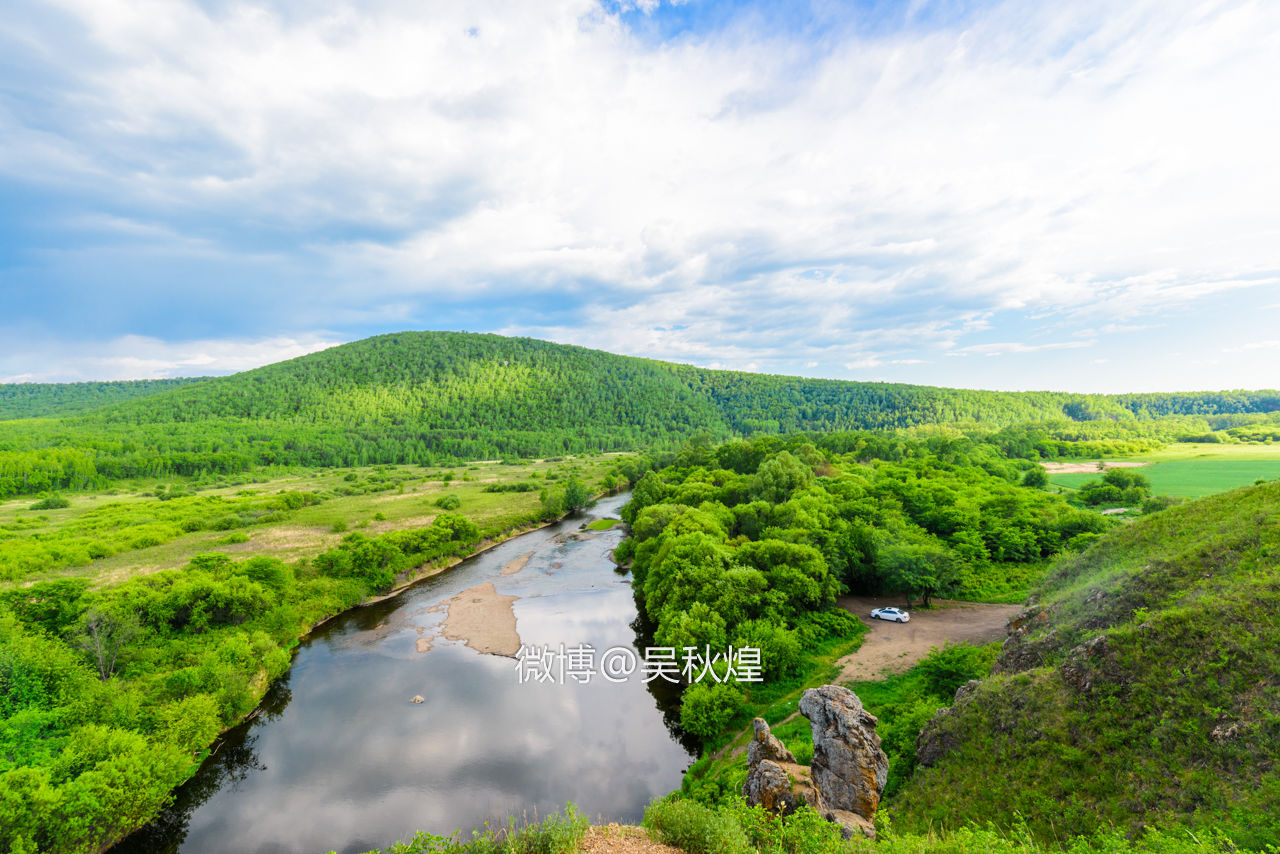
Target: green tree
x,y
576,495
105,632
1036,478
780,477
918,569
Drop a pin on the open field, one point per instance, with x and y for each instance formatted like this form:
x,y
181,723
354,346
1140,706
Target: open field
x,y
1195,470
121,533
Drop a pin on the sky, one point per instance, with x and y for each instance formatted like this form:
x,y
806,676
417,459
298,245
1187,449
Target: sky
x,y
1078,196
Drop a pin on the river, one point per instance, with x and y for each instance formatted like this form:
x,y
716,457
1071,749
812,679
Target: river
x,y
340,758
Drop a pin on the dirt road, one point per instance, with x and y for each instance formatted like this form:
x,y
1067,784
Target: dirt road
x,y
893,647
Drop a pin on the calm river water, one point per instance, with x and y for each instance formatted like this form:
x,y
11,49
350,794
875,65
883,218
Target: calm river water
x,y
340,759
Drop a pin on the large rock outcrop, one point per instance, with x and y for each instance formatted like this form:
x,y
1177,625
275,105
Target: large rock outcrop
x,y
770,770
849,769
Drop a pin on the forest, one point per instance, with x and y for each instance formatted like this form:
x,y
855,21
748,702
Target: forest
x,y
432,398
748,544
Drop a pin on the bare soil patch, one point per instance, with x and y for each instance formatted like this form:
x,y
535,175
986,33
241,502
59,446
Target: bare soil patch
x,y
894,647
1086,467
483,619
622,839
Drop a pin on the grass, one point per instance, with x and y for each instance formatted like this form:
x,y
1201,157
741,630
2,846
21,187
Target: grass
x,y
604,524
1195,470
735,828
1148,697
559,833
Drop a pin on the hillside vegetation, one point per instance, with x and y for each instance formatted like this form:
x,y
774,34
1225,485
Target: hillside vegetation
x,y
40,400
438,397
1142,688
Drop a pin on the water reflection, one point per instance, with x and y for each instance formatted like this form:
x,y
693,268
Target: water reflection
x,y
340,759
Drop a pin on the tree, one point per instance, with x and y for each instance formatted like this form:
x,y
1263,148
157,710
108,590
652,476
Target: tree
x,y
1036,478
918,569
778,478
576,495
104,634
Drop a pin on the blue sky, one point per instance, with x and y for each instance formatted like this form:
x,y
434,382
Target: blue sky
x,y
1014,195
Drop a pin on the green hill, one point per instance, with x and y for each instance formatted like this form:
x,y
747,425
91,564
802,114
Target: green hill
x,y
1142,687
440,397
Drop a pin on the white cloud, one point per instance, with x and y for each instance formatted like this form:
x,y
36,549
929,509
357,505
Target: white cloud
x,y
1006,347
726,199
135,357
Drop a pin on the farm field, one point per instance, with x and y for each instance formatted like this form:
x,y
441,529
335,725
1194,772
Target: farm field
x,y
1196,470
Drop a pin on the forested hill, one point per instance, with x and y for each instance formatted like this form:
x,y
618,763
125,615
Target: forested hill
x,y
440,397
452,380
39,400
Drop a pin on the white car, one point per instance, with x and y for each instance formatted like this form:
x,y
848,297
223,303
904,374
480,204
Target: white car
x,y
896,615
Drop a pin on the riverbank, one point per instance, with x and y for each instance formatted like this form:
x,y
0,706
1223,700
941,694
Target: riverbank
x,y
362,703
203,598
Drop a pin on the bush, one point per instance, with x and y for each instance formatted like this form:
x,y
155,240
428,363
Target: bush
x,y
51,502
707,707
448,502
695,828
945,670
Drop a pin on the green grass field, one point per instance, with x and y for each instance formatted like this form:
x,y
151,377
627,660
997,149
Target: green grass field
x,y
1195,470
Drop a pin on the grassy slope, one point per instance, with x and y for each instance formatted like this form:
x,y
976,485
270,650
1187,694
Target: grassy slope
x,y
1150,692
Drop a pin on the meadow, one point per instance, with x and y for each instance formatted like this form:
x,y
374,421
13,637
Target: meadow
x,y
144,526
1194,470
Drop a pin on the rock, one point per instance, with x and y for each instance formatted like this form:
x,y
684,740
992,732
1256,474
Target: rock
x,y
937,739
769,786
417,698
849,769
768,783
765,745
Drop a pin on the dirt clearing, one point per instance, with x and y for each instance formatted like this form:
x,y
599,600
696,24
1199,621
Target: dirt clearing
x,y
894,647
1086,467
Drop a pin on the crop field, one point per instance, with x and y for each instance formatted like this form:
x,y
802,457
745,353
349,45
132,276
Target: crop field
x,y
1196,470
150,526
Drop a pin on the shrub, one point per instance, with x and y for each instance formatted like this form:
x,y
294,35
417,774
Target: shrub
x,y
945,670
51,502
707,707
449,502
695,828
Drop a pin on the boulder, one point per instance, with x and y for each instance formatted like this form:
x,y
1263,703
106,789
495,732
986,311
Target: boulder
x,y
765,745
849,769
938,738
768,783
769,786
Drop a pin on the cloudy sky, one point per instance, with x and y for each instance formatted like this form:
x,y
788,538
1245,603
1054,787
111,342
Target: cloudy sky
x,y
1080,195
